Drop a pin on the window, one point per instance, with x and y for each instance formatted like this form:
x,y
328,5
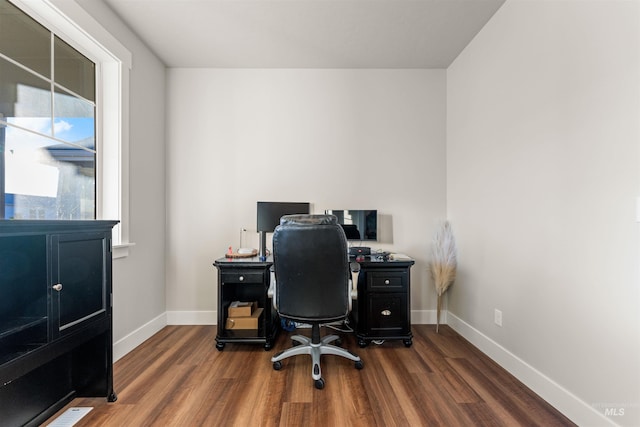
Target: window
x,y
64,84
47,114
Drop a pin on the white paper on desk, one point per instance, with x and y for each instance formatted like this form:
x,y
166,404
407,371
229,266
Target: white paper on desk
x,y
399,257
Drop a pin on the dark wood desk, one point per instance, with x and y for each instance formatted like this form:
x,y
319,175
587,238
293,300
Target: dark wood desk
x,y
381,312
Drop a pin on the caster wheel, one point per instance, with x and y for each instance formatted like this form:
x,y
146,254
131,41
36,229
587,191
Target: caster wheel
x,y
277,365
407,343
319,383
220,346
359,364
267,347
338,342
362,343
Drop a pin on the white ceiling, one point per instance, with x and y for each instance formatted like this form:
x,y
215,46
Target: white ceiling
x,y
306,33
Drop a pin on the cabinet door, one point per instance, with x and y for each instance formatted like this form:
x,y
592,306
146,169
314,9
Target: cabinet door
x,y
79,274
23,296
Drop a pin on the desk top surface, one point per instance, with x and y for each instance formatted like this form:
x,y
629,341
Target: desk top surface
x,y
369,260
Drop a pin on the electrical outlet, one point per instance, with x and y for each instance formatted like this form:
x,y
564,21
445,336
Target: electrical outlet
x,y
497,317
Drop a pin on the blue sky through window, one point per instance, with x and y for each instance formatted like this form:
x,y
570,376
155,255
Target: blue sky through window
x,y
29,167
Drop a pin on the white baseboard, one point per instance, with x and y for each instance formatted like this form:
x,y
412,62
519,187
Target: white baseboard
x,y
137,337
564,401
192,317
427,317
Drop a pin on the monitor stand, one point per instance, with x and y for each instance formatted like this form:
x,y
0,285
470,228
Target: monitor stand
x,y
263,245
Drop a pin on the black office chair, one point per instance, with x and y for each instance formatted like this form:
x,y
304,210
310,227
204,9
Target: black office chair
x,y
313,285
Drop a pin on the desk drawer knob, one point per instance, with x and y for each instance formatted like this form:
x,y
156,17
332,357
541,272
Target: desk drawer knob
x,y
386,282
241,278
386,312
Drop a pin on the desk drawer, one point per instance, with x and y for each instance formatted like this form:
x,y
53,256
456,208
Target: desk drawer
x,y
242,277
388,314
387,281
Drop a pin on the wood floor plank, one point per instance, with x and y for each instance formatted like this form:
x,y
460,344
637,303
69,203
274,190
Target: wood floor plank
x,y
296,414
387,409
179,378
438,403
352,410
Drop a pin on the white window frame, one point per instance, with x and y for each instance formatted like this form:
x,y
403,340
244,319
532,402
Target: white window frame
x,y
113,61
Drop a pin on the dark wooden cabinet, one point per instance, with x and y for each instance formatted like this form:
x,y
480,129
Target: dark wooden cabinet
x,y
55,316
382,310
245,279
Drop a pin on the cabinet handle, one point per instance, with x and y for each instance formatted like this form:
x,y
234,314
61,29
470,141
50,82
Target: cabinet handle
x,y
57,287
241,278
386,282
386,312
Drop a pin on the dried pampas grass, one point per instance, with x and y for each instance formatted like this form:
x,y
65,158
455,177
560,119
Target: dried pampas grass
x,y
443,263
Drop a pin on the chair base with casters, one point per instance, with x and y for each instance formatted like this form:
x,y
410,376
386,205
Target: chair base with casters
x,y
315,347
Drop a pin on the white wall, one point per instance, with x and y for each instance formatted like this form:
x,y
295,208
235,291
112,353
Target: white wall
x,y
368,139
139,279
543,174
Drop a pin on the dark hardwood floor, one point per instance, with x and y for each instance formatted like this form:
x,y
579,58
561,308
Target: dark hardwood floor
x,y
178,378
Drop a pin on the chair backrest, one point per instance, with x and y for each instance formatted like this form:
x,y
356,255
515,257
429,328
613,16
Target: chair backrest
x,y
311,266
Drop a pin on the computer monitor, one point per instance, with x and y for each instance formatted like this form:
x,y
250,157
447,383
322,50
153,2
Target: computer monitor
x,y
358,224
268,218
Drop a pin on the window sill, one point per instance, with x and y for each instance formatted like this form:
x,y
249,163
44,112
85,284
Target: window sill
x,y
122,250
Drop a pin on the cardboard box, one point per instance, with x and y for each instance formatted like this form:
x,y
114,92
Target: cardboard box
x,y
242,309
250,322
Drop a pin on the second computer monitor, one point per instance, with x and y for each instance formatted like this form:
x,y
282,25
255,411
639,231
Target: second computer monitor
x,y
358,224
